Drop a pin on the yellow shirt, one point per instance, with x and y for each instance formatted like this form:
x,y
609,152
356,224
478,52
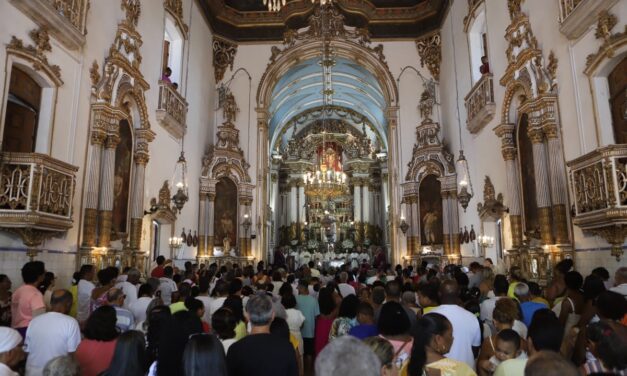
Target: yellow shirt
x,y
294,341
451,367
541,300
74,291
510,290
428,309
240,330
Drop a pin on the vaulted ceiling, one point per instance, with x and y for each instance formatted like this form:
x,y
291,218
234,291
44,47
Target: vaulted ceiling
x,y
250,20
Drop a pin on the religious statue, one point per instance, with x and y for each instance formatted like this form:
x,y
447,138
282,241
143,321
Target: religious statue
x,y
430,221
226,243
229,108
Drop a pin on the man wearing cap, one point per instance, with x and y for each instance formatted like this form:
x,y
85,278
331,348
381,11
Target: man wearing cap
x,y
10,351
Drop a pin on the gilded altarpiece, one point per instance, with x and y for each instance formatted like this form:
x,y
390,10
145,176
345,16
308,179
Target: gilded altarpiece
x,y
119,137
531,89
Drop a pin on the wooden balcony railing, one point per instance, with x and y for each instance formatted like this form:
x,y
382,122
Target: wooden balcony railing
x,y
599,183
480,104
36,191
171,110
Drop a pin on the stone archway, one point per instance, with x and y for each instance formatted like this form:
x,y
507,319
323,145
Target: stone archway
x,y
353,44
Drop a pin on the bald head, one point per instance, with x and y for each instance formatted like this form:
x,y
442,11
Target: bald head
x,y
449,292
61,301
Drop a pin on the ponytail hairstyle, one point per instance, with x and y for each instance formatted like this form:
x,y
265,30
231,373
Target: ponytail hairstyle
x,y
428,327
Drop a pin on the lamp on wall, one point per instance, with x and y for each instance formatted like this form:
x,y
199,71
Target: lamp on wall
x,y
404,226
465,192
246,223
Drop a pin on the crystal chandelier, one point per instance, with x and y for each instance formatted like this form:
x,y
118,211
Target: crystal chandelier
x,y
275,5
328,179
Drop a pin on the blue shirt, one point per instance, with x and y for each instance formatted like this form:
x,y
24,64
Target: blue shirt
x,y
125,319
309,307
528,309
363,331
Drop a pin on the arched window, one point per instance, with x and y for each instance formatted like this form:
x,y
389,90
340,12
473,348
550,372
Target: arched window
x,y
477,43
617,81
173,46
22,113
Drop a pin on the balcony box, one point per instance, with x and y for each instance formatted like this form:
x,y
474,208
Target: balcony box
x,y
576,16
171,110
480,104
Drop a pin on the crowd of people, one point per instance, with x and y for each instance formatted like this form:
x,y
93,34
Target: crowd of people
x,y
237,320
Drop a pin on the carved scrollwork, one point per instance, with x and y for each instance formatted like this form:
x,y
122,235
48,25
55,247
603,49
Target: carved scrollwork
x,y
611,41
223,57
430,51
36,53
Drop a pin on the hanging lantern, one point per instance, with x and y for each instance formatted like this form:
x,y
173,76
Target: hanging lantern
x,y
465,192
179,182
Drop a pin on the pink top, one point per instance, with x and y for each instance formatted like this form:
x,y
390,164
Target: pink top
x,y
94,356
25,300
402,350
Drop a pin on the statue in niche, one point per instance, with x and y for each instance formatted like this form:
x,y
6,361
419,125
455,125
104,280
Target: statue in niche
x,y
122,180
430,221
225,225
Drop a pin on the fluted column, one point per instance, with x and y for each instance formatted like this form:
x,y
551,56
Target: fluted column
x,y
293,203
446,225
559,194
93,188
415,225
513,198
301,202
137,204
365,209
202,225
543,193
384,207
105,207
211,203
357,201
454,221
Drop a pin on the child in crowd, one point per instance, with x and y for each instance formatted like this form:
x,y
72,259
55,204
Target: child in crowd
x,y
507,347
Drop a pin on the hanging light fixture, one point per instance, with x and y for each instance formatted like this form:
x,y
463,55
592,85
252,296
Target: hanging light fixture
x,y
276,5
179,182
465,192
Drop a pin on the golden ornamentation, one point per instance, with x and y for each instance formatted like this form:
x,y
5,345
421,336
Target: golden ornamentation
x,y
132,9
492,206
561,227
427,101
615,235
513,6
515,222
552,66
611,42
104,228
473,6
89,227
175,8
430,51
94,73
223,57
36,53
606,23
546,231
480,104
535,135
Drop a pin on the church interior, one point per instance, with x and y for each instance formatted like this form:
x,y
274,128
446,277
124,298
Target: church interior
x,y
223,131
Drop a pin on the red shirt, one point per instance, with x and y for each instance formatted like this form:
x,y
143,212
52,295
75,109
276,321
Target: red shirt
x,y
94,356
157,272
321,337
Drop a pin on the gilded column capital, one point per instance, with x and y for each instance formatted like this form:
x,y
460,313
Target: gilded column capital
x,y
550,130
536,135
203,196
509,154
141,158
211,196
112,141
98,137
245,201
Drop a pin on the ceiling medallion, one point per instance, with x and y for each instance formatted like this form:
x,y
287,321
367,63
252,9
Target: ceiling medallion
x,y
275,5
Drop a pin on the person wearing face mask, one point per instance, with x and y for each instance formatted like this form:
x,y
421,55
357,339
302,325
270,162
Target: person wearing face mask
x,y
432,340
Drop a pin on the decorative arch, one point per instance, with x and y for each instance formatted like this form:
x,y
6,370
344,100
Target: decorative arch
x,y
529,73
117,94
348,43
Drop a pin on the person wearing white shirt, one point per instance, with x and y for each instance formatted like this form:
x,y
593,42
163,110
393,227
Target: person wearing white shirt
x,y
353,257
51,334
345,288
220,292
620,281
84,289
140,305
167,286
10,350
129,286
466,330
487,306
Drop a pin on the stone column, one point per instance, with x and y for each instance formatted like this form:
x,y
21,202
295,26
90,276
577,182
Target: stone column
x,y
105,207
301,202
93,188
357,201
454,222
293,210
211,200
384,204
543,193
137,204
513,198
559,186
202,225
394,166
365,209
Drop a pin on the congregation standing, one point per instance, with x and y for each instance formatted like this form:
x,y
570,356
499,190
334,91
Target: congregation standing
x,y
352,320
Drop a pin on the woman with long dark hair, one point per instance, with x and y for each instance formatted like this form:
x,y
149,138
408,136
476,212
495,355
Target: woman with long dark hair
x,y
328,313
130,358
433,339
346,317
174,337
158,318
95,351
204,353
